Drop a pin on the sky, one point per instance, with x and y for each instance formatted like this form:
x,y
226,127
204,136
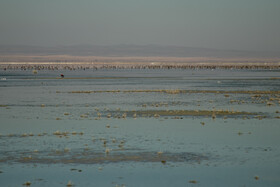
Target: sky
x,y
219,24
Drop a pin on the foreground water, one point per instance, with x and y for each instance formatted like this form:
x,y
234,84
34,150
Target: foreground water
x,y
140,128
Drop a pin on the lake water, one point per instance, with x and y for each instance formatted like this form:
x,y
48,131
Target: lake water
x,y
140,128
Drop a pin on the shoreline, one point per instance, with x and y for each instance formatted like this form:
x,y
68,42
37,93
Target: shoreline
x,y
53,62
137,65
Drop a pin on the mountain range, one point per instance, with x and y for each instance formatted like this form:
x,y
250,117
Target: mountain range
x,y
132,50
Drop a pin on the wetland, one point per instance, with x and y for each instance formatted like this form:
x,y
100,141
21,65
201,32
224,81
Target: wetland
x,y
139,127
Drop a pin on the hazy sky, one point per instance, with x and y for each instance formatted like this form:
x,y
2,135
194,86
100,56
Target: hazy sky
x,y
221,24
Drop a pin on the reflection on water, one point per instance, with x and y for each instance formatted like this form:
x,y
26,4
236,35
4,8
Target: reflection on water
x,y
140,128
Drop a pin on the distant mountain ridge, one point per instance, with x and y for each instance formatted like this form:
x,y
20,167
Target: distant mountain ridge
x,y
131,50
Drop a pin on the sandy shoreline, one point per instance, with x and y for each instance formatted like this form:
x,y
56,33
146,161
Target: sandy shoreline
x,y
138,65
98,62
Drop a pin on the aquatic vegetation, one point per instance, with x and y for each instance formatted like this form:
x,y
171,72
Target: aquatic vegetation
x,y
124,115
134,115
69,184
156,115
107,150
28,183
66,150
213,115
177,117
245,117
270,103
34,72
58,133
84,116
122,185
159,153
260,117
27,158
104,143
193,181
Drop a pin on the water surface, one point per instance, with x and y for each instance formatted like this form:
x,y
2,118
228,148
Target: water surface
x,y
140,128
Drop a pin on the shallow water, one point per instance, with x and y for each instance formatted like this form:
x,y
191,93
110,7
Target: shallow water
x,y
140,128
